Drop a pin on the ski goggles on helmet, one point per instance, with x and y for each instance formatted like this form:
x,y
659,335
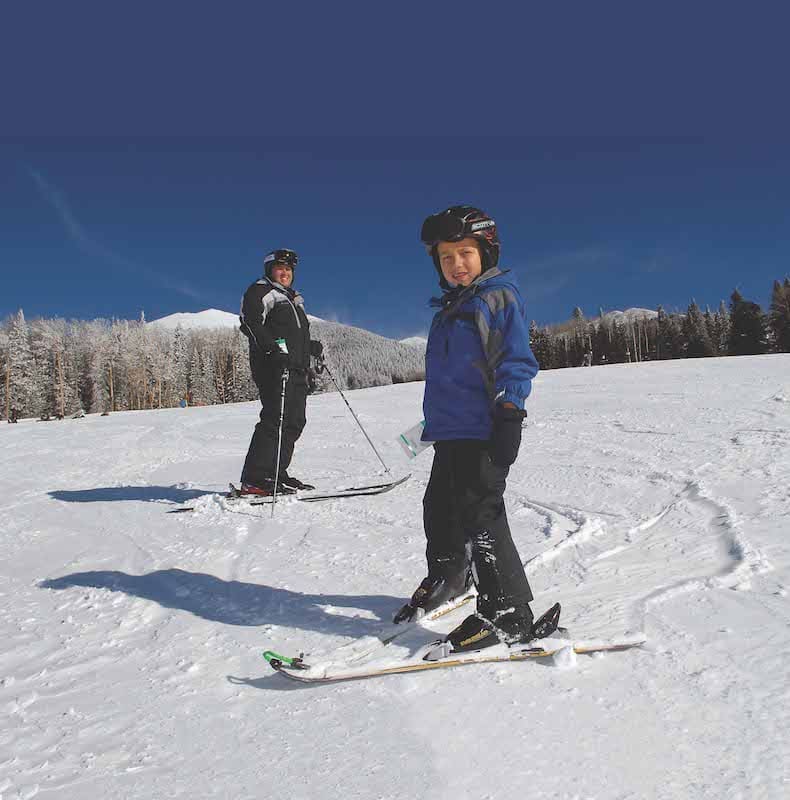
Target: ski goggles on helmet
x,y
285,257
453,225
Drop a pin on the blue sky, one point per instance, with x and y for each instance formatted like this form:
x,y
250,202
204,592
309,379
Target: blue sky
x,y
150,158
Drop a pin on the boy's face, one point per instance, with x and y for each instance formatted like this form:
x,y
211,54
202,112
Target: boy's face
x,y
283,274
460,261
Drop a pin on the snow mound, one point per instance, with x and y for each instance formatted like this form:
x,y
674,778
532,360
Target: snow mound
x,y
565,658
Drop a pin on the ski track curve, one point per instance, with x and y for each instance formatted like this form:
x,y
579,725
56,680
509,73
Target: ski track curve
x,y
717,523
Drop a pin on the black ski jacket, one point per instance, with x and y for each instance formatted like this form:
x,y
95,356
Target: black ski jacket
x,y
269,312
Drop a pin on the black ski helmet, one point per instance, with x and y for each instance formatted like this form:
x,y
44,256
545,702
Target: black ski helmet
x,y
460,222
282,256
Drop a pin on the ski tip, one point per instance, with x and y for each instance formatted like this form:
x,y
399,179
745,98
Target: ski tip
x,y
275,658
278,662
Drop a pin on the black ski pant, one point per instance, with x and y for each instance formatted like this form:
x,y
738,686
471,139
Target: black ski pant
x,y
464,517
261,462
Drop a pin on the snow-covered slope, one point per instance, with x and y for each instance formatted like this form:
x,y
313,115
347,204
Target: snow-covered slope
x,y
415,341
646,497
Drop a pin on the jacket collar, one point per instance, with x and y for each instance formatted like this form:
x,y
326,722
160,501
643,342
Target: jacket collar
x,y
452,298
289,292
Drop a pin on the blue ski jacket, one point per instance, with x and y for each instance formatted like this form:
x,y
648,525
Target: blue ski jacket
x,y
478,354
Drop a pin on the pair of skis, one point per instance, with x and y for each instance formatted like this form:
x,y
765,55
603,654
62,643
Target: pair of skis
x,y
438,654
304,496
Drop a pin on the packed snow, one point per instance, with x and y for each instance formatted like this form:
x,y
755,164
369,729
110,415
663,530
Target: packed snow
x,y
647,497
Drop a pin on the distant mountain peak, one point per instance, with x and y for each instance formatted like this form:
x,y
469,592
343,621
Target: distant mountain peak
x,y
630,313
208,319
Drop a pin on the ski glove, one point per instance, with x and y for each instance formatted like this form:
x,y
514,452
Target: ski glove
x,y
316,348
506,436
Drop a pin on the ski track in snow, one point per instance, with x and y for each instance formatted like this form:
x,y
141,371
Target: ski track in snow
x,y
644,499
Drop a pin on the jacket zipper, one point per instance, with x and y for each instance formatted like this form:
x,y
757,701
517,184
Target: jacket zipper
x,y
296,313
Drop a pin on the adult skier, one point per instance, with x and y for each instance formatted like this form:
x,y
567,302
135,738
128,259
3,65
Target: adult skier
x,y
272,311
479,369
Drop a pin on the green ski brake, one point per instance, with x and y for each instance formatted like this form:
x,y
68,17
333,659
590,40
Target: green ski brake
x,y
277,661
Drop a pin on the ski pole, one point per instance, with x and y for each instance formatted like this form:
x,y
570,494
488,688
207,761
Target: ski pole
x,y
325,367
279,439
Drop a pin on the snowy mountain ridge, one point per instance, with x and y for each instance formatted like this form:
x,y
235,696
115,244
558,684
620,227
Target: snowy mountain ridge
x,y
629,314
212,319
208,319
358,357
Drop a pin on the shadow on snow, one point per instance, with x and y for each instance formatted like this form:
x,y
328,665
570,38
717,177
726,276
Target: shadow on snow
x,y
238,603
144,493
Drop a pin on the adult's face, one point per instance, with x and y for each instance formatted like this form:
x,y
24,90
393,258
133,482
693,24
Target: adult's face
x,y
283,274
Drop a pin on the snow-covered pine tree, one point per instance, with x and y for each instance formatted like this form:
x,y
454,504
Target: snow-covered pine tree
x,y
5,372
82,337
541,345
242,385
208,377
698,343
229,366
602,343
48,348
180,360
669,336
620,348
779,316
44,402
710,327
108,366
722,325
21,384
748,332
194,387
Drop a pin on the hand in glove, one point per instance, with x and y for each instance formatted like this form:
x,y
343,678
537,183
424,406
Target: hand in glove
x,y
316,348
506,436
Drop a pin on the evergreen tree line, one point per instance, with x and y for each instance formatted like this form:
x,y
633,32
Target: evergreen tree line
x,y
740,329
53,368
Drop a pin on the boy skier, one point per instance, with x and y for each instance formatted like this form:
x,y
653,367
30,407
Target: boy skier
x,y
272,310
479,370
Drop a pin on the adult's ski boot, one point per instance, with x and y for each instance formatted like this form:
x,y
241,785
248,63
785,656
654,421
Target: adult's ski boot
x,y
265,489
294,483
